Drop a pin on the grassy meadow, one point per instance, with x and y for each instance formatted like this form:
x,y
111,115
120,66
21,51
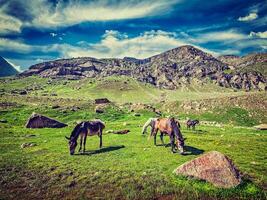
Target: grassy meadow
x,y
128,166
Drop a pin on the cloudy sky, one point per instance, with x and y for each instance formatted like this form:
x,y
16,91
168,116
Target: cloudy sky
x,y
33,31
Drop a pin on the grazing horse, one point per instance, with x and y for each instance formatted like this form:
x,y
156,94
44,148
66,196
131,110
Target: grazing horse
x,y
150,122
191,123
95,128
170,127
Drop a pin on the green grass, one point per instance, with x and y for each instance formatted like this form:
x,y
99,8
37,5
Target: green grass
x,y
128,166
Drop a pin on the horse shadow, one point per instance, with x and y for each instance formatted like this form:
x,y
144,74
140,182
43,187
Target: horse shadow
x,y
199,131
192,151
102,150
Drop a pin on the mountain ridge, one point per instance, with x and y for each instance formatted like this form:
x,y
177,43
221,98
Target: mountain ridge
x,y
171,69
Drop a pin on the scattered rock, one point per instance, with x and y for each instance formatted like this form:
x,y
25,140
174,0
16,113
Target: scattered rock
x,y
72,184
261,127
97,110
213,167
25,145
3,121
55,106
121,132
102,101
40,121
30,135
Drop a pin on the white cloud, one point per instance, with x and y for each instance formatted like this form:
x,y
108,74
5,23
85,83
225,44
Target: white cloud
x,y
14,45
8,23
220,36
53,34
258,34
116,44
250,17
46,15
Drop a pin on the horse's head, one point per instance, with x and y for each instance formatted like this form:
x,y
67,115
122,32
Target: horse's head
x,y
196,121
72,144
181,144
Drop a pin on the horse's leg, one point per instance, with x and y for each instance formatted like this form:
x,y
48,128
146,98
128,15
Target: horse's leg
x,y
193,127
161,137
100,136
172,142
81,141
155,139
84,141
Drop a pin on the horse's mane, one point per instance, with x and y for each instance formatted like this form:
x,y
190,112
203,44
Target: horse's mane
x,y
76,130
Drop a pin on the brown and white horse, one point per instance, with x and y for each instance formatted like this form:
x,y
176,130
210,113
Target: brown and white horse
x,y
83,129
170,127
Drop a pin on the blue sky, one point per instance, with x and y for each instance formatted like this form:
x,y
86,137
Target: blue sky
x,y
41,30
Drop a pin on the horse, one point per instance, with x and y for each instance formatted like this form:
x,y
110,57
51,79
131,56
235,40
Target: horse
x,y
150,122
169,126
191,123
95,127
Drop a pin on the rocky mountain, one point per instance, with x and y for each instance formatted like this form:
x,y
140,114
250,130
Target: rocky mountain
x,y
172,69
6,69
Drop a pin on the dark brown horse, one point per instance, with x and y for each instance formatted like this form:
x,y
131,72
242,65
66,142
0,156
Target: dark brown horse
x,y
192,123
95,128
170,127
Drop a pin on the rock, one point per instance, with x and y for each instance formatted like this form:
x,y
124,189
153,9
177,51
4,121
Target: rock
x,y
121,132
30,135
137,114
55,107
72,184
25,145
40,121
99,110
102,101
3,121
213,167
261,127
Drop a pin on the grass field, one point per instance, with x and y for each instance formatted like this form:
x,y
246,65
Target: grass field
x,y
128,166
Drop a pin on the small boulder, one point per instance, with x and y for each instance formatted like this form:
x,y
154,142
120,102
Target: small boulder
x,y
3,121
55,106
109,131
213,167
25,145
261,127
97,110
121,132
40,121
102,101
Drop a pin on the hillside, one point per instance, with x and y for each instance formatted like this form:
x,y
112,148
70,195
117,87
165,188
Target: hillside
x,y
6,69
176,68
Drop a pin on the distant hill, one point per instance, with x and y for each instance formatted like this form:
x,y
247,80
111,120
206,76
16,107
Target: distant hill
x,y
253,62
6,69
176,68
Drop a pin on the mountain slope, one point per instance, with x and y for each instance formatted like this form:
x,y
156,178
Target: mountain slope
x,y
6,69
176,68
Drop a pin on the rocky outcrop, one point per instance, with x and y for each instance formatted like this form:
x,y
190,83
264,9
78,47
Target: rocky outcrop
x,y
40,121
213,167
171,69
